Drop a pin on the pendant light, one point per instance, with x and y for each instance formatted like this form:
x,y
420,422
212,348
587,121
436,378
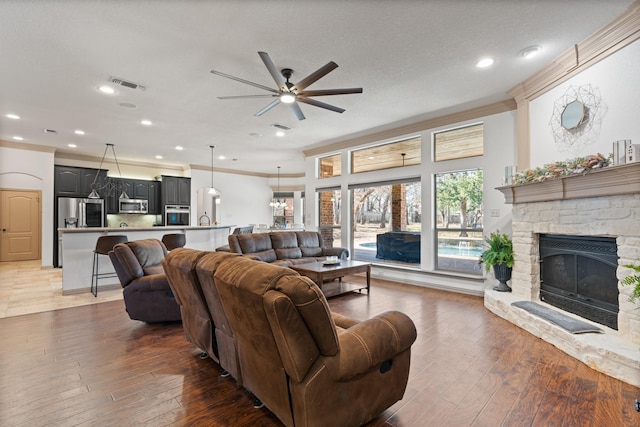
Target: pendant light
x,y
276,203
212,190
108,186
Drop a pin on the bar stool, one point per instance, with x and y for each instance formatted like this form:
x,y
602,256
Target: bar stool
x,y
103,245
172,241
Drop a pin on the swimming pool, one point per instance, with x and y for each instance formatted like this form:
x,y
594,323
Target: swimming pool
x,y
442,250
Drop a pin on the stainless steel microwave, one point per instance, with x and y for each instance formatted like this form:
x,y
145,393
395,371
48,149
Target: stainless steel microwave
x,y
133,206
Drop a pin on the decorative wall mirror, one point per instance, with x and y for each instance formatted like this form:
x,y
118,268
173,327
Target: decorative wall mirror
x,y
573,115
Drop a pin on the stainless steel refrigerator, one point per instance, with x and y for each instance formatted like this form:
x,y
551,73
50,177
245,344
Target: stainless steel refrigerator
x,y
78,213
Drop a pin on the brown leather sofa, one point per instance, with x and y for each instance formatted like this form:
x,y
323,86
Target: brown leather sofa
x,y
308,366
190,274
284,248
147,295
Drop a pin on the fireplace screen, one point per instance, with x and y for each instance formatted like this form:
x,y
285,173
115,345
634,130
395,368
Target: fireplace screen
x,y
578,274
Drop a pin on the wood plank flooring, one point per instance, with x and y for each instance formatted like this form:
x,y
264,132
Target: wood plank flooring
x,y
93,366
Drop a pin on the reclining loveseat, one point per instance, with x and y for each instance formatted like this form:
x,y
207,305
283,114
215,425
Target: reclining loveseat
x,y
309,366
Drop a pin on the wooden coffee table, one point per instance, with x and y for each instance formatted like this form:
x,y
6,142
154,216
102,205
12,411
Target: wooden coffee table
x,y
319,272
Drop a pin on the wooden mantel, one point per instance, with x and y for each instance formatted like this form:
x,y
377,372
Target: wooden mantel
x,y
612,180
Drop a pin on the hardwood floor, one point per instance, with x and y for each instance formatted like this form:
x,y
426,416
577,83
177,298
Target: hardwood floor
x,y
91,365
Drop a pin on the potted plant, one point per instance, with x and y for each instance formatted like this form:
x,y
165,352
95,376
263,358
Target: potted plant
x,y
500,256
633,280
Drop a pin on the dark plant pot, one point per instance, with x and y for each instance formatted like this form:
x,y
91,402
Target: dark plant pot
x,y
503,274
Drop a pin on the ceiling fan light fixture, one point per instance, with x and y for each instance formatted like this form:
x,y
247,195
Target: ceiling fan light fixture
x,y
288,98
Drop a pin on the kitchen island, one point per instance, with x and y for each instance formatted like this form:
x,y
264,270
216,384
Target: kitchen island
x,y
77,245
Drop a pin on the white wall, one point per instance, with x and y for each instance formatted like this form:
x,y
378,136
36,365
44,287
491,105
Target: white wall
x,y
617,80
244,199
32,170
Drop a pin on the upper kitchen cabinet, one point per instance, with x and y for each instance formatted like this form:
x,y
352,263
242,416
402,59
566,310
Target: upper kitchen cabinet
x,y
155,207
176,190
70,181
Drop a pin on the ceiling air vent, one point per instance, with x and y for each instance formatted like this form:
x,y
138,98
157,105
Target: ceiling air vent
x,y
279,126
122,82
50,131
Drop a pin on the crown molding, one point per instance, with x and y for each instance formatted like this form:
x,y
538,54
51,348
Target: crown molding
x,y
27,147
247,173
471,114
616,35
81,157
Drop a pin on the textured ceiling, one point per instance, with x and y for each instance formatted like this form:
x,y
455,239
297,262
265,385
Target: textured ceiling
x,y
414,60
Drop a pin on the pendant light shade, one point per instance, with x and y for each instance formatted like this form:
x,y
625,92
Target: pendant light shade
x,y
276,203
212,190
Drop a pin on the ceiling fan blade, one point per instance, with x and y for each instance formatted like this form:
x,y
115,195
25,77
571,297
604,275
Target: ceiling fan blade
x,y
326,92
238,79
268,107
315,76
297,111
273,71
247,96
321,104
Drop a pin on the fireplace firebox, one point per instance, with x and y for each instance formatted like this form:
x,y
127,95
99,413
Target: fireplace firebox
x,y
578,275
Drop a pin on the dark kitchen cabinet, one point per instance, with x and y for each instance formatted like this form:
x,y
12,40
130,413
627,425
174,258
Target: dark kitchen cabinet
x,y
176,190
71,181
155,208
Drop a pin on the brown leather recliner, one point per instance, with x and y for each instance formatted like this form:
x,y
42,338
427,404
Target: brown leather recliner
x,y
147,295
190,274
305,368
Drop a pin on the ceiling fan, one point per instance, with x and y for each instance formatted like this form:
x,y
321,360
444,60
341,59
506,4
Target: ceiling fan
x,y
292,93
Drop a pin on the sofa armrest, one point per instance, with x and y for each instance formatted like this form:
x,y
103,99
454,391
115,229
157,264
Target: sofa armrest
x,y
335,252
343,322
153,282
369,343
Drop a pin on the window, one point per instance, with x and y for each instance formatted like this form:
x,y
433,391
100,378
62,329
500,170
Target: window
x,y
393,155
329,205
459,143
330,166
283,215
459,215
386,222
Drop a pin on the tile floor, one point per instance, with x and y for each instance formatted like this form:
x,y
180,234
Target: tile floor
x,y
26,287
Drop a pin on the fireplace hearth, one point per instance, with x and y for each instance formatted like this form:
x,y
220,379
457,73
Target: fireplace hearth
x,y
578,275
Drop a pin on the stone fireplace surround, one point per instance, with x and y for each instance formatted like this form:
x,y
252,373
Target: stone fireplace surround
x,y
601,203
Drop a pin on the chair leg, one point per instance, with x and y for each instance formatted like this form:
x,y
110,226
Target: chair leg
x,y
94,275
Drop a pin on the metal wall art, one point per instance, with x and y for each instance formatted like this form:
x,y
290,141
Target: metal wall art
x,y
577,118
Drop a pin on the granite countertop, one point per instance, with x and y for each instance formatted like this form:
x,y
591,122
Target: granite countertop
x,y
125,229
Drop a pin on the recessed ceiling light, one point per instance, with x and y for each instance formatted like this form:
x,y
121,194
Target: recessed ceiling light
x,y
158,157
146,122
221,157
107,89
71,145
78,132
530,52
279,133
179,148
485,62
12,116
18,138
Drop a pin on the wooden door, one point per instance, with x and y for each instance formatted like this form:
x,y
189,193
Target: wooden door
x,y
20,219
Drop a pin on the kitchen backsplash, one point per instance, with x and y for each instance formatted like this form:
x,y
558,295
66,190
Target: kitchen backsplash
x,y
132,220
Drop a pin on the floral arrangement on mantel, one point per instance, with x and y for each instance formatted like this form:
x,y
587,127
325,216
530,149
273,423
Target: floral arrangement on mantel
x,y
577,166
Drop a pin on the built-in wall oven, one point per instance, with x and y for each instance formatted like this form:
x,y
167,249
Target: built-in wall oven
x,y
177,215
